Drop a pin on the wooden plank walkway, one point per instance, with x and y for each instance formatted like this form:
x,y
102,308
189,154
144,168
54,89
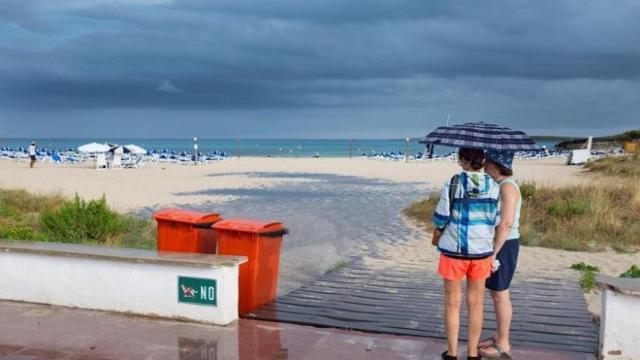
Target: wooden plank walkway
x,y
407,300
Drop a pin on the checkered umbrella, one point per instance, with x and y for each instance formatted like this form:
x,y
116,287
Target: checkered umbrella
x,y
481,136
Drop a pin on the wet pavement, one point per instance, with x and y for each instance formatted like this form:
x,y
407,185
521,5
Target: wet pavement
x,y
39,332
332,218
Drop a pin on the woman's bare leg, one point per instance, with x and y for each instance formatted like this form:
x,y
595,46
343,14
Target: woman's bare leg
x,y
504,313
452,303
475,303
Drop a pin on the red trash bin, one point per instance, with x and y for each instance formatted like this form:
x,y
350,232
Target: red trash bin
x,y
260,242
186,231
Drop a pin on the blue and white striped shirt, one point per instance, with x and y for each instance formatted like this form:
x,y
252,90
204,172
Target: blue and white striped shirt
x,y
470,225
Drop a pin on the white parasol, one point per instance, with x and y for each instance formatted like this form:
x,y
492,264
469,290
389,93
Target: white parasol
x,y
93,148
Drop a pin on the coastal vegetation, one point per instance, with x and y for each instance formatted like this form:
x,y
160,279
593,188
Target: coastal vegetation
x,y
621,166
31,217
588,274
599,215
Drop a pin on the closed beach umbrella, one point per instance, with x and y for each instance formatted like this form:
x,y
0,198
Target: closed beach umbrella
x,y
135,149
481,135
93,148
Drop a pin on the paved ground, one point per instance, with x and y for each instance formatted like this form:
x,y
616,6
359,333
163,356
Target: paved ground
x,y
39,332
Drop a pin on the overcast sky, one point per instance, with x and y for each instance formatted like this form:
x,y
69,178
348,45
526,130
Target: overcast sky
x,y
315,68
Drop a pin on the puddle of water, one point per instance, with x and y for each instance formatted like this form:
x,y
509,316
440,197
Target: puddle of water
x,y
331,217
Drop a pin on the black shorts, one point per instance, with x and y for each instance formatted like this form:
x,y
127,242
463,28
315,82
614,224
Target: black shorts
x,y
508,256
33,157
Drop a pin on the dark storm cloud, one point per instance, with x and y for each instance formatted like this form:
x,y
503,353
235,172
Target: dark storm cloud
x,y
499,58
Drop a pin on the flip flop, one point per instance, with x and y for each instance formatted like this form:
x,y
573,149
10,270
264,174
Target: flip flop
x,y
500,353
486,342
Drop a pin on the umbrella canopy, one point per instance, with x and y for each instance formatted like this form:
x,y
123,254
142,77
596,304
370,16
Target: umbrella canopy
x,y
481,136
116,149
93,148
135,149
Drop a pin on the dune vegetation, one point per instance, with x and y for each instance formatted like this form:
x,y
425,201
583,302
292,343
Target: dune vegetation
x,y
31,217
602,214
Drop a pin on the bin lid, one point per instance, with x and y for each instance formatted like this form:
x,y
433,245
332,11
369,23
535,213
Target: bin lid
x,y
187,216
250,226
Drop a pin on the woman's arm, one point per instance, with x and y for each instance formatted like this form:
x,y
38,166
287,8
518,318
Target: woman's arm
x,y
509,197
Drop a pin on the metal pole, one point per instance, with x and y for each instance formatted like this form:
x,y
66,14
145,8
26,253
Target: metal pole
x,y
195,151
406,151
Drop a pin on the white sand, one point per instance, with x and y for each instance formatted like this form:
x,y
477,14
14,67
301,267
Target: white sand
x,y
160,185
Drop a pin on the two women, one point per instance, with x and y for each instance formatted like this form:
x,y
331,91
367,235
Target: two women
x,y
475,218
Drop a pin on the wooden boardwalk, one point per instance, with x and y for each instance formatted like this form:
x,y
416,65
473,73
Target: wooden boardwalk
x,y
407,300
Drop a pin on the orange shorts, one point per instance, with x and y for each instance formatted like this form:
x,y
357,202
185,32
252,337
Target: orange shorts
x,y
456,269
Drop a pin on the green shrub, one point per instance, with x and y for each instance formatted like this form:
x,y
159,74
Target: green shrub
x,y
568,207
80,221
581,266
633,272
19,233
588,281
140,234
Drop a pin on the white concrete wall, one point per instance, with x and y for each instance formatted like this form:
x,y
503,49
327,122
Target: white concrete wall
x,y
620,326
139,288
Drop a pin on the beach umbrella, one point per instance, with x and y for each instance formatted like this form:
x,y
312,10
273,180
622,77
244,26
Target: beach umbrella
x,y
93,148
481,135
134,149
116,149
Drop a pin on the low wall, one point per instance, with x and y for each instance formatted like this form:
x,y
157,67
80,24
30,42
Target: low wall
x,y
620,318
196,287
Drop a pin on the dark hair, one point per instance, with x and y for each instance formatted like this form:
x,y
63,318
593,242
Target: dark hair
x,y
475,157
501,169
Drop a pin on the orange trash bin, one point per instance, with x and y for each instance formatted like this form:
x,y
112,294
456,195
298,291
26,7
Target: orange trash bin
x,y
260,242
186,231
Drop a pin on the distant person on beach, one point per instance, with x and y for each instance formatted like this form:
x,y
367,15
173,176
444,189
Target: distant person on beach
x,y
465,221
499,165
32,150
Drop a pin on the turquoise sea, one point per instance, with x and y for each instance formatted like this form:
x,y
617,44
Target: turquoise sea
x,y
254,147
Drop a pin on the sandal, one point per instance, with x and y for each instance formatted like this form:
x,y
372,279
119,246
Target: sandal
x,y
486,342
500,353
446,356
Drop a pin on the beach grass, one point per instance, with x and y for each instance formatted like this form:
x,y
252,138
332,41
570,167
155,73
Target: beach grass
x,y
622,166
604,214
53,218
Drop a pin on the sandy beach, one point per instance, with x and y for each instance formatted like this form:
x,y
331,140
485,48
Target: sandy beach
x,y
158,185
337,208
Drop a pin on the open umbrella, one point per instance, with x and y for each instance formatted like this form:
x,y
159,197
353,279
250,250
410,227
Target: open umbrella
x,y
481,135
134,149
93,148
